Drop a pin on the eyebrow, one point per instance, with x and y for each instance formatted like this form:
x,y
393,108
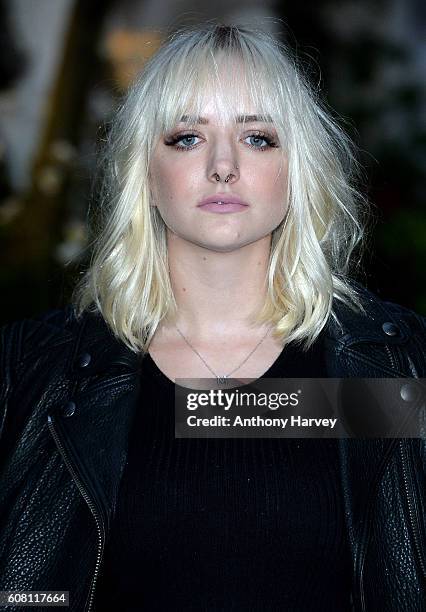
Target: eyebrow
x,y
238,119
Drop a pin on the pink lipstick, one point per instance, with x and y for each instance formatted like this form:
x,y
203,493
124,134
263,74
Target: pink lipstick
x,y
223,203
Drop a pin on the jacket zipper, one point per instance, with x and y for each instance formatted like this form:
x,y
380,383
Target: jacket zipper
x,y
410,507
407,490
412,521
93,510
391,357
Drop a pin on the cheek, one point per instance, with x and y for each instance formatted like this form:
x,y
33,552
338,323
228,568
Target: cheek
x,y
282,185
269,172
172,179
163,183
277,192
273,182
280,182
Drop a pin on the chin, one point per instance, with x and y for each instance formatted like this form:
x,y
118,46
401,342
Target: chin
x,y
220,248
226,246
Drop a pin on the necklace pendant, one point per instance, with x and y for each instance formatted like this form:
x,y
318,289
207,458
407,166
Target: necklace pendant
x,y
221,380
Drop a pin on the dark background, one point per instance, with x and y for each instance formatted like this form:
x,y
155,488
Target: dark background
x,y
64,63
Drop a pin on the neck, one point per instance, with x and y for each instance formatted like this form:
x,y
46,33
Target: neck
x,y
217,292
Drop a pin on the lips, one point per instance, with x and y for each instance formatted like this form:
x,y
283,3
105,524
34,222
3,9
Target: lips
x,y
222,199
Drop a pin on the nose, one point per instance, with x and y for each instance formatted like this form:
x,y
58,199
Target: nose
x,y
223,164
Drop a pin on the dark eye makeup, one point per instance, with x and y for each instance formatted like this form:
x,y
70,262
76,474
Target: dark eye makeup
x,y
177,141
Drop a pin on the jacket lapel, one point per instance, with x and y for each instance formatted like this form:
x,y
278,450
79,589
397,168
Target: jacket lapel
x,y
92,426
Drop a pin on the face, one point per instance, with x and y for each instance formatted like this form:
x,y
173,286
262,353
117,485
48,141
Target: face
x,y
184,172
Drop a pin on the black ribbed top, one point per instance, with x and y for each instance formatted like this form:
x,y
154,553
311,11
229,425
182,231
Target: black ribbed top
x,y
226,524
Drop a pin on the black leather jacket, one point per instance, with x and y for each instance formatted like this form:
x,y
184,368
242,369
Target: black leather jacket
x,y
68,393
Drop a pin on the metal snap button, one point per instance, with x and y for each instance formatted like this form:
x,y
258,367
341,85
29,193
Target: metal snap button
x,y
84,360
390,329
69,409
409,392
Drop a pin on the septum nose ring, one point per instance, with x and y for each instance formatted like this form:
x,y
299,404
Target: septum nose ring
x,y
227,178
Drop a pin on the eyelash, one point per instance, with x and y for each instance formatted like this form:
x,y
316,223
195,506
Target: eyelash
x,y
173,141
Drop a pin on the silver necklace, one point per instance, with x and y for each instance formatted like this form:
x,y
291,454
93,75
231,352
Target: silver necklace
x,y
221,378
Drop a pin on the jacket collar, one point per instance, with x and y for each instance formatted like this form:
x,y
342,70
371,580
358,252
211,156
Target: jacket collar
x,y
378,325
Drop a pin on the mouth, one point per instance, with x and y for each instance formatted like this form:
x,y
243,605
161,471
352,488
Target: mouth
x,y
223,207
223,203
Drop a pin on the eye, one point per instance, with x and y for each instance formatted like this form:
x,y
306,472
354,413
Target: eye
x,y
258,138
182,142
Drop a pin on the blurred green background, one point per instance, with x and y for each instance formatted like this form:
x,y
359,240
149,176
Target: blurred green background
x,y
64,64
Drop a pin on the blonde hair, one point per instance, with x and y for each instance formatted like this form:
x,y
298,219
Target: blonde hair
x,y
127,279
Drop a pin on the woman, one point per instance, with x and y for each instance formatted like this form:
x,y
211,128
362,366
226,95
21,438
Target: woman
x,y
229,222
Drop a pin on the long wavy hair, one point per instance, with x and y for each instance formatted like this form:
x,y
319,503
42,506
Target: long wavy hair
x,y
312,251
